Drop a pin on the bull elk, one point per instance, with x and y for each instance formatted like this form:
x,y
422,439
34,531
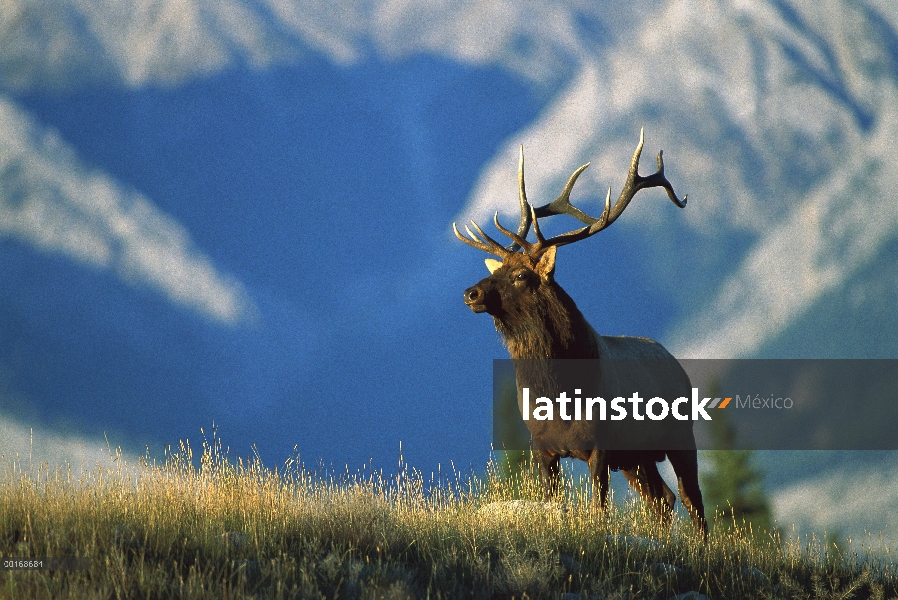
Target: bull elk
x,y
537,320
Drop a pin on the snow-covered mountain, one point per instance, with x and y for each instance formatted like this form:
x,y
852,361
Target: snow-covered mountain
x,y
775,115
777,118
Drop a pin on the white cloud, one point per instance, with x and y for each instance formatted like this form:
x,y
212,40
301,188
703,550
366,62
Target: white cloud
x,y
50,199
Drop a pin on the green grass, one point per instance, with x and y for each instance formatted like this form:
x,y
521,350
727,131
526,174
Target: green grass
x,y
238,530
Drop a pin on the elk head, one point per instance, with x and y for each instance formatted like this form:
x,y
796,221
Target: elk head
x,y
521,286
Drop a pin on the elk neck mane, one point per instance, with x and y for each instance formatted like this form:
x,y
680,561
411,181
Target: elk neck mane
x,y
549,325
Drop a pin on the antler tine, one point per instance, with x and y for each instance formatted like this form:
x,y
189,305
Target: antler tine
x,y
489,245
633,184
636,182
562,204
540,240
524,225
488,239
519,242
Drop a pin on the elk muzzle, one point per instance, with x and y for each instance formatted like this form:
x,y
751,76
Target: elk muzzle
x,y
475,298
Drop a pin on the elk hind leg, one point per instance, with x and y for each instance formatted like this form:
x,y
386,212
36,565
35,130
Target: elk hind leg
x,y
685,465
598,469
646,480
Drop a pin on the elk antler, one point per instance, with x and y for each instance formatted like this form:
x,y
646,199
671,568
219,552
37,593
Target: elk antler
x,y
562,205
492,246
485,242
526,218
633,184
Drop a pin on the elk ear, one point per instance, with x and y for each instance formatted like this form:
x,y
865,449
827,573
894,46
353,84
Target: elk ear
x,y
545,268
492,264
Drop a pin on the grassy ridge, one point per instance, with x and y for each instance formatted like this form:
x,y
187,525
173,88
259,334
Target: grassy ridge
x,y
225,530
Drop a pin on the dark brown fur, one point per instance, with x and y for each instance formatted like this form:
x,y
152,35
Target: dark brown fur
x,y
543,324
538,320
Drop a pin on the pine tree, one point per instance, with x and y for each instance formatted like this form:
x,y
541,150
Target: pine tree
x,y
734,487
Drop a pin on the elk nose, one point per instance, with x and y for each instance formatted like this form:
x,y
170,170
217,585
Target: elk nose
x,y
473,295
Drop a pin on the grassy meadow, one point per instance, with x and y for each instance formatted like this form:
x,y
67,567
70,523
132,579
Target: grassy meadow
x,y
234,529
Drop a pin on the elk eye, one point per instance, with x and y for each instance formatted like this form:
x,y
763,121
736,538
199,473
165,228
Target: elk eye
x,y
522,276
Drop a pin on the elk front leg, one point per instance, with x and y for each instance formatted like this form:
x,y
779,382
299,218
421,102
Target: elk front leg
x,y
598,469
646,480
548,473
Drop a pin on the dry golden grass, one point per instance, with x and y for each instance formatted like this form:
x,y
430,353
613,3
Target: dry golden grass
x,y
237,530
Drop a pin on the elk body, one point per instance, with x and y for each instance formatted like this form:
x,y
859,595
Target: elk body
x,y
539,323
